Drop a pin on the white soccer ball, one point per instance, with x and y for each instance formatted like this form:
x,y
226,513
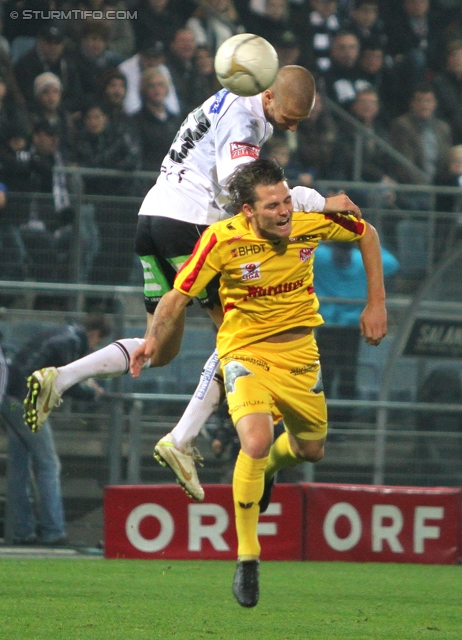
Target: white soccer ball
x,y
246,64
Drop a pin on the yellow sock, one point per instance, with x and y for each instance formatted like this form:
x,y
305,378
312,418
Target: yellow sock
x,y
280,456
248,481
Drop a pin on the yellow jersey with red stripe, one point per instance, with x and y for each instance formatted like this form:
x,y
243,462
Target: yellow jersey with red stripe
x,y
266,286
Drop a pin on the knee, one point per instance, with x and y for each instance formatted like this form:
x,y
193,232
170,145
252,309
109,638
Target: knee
x,y
256,447
312,453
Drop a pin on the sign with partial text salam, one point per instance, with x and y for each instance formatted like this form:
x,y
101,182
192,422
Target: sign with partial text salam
x,y
306,521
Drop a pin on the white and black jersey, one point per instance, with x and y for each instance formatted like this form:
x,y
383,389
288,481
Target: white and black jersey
x,y
217,137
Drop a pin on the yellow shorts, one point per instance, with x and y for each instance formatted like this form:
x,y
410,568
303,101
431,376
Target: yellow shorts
x,y
282,379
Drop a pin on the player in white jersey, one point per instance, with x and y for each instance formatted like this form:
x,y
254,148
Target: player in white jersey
x,y
190,194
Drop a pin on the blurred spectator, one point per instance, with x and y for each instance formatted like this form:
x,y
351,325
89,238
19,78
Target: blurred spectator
x,y
373,71
93,57
448,90
316,32
99,145
339,273
49,55
112,90
121,36
155,126
451,176
150,56
289,49
376,165
207,82
213,22
424,139
15,161
190,86
22,34
45,215
273,23
449,230
13,114
47,106
413,37
316,137
366,24
277,148
13,254
344,78
32,456
156,22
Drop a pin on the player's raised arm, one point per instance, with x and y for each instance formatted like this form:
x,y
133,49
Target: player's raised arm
x,y
163,326
341,203
373,320
310,200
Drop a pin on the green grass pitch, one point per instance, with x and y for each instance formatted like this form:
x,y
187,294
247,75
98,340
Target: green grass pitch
x,y
80,599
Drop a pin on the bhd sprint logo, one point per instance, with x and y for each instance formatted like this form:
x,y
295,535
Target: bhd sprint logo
x,y
251,271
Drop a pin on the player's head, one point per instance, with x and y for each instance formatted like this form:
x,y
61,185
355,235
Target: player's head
x,y
290,98
259,189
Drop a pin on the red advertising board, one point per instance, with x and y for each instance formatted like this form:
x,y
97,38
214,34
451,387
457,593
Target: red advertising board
x,y
160,521
364,523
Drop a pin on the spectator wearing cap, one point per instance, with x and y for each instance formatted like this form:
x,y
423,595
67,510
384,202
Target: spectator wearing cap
x,y
156,22
47,106
155,125
93,57
49,54
151,55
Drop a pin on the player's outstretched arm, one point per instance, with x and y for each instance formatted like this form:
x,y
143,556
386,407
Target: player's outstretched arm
x,y
341,203
161,329
373,320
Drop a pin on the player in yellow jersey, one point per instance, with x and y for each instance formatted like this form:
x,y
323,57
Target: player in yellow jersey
x,y
267,350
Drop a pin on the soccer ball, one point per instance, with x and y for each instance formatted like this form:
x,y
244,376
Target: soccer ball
x,y
246,64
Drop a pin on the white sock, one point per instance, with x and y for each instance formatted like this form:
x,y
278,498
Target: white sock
x,y
204,402
109,362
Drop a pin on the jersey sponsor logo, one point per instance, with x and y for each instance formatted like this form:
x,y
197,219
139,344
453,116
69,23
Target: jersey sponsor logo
x,y
233,239
286,287
220,98
244,251
230,227
304,238
306,369
242,149
305,253
259,363
251,271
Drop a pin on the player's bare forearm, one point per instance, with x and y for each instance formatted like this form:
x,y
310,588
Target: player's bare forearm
x,y
162,327
373,320
341,203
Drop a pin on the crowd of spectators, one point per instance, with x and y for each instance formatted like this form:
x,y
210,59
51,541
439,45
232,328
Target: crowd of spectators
x,y
110,93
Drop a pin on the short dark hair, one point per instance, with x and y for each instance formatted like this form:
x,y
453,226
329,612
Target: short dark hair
x,y
247,177
422,87
97,321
